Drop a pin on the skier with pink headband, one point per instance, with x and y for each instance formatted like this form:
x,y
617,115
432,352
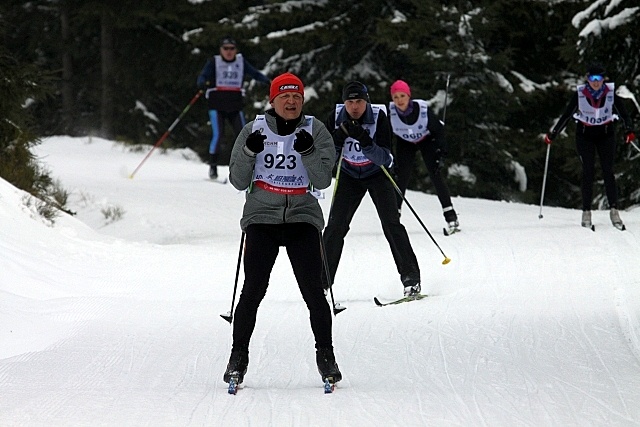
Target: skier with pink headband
x,y
416,127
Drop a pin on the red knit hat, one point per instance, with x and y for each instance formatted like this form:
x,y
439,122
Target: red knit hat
x,y
286,82
400,86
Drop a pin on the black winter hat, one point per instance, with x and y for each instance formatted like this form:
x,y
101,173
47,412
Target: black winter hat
x,y
596,69
226,40
355,90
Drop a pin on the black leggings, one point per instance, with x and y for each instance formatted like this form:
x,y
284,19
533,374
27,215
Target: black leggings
x,y
349,193
587,147
405,159
302,242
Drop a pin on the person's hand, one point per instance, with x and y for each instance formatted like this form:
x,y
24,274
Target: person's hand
x,y
548,138
303,143
365,140
339,135
629,137
357,132
255,143
204,86
353,128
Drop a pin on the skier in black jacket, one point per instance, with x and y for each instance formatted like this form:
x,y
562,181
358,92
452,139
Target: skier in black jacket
x,y
363,141
594,107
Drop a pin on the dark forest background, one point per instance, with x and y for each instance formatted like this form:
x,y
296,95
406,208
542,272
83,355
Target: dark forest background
x,y
126,70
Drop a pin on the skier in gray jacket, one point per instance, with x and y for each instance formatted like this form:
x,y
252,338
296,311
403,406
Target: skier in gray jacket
x,y
281,159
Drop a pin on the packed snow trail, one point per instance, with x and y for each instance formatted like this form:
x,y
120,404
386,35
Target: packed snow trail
x,y
533,322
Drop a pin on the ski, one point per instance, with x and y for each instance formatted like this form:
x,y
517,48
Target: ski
x,y
329,385
620,227
233,385
399,301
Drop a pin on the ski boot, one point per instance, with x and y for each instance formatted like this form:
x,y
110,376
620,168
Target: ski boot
x,y
328,368
213,171
213,166
236,368
411,285
586,220
453,226
412,290
615,219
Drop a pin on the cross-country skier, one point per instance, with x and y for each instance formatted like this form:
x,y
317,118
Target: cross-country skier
x,y
362,138
417,128
594,107
279,159
221,79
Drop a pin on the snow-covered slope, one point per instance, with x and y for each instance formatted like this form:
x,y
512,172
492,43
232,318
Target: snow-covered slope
x,y
111,317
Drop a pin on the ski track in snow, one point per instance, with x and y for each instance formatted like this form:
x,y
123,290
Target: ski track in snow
x,y
534,322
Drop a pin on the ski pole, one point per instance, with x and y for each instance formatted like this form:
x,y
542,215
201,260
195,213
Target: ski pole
x,y
446,95
168,131
229,316
335,186
544,180
634,146
325,262
446,260
336,310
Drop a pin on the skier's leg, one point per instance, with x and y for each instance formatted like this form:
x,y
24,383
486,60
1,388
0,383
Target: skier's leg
x,y
302,242
261,250
345,203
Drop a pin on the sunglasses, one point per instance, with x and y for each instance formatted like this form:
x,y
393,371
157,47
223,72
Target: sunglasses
x,y
595,78
228,48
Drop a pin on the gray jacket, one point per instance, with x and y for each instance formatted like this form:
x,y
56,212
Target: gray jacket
x,y
265,207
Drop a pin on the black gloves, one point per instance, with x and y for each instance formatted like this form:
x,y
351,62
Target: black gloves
x,y
255,143
303,143
356,131
339,135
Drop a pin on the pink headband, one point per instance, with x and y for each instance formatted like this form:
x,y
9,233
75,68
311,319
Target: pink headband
x,y
400,86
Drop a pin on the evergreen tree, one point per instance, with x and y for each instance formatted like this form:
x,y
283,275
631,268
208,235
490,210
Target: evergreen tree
x,y
489,130
512,67
21,86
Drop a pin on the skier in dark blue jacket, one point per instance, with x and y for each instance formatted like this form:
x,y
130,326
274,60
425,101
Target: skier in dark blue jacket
x,y
363,140
221,79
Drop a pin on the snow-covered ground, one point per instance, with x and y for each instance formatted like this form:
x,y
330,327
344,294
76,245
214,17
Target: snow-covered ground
x,y
111,317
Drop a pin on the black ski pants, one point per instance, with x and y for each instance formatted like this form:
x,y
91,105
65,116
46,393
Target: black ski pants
x,y
602,141
346,201
263,241
405,159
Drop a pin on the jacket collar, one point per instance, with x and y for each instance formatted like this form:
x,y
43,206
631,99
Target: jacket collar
x,y
367,117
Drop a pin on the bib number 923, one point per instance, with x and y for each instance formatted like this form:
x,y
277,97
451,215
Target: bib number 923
x,y
279,161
